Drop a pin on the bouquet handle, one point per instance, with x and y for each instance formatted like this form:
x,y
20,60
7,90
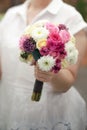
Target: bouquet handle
x,y
36,95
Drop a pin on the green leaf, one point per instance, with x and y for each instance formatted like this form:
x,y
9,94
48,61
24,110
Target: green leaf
x,y
36,54
24,55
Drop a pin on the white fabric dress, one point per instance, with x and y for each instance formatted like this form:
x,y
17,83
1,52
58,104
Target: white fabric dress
x,y
64,111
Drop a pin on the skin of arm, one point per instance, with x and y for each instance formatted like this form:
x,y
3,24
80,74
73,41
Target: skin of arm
x,y
64,79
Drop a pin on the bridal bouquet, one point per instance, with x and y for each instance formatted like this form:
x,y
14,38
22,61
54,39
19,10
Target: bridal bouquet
x,y
51,46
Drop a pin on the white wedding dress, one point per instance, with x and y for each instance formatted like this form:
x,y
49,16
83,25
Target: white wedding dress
x,y
55,111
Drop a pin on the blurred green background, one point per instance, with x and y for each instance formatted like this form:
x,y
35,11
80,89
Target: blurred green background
x,y
80,5
82,8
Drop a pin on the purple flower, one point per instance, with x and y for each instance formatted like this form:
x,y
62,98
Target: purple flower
x,y
22,40
63,53
57,67
62,27
29,45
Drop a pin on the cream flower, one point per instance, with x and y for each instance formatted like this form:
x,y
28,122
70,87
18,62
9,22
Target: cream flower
x,y
64,63
30,58
72,39
41,43
46,63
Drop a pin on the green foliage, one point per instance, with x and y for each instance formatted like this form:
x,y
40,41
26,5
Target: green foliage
x,y
81,6
1,16
36,54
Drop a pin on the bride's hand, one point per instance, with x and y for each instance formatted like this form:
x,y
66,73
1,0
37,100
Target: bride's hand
x,y
42,75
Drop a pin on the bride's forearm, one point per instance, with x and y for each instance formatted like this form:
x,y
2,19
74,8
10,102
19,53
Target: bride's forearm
x,y
62,81
0,74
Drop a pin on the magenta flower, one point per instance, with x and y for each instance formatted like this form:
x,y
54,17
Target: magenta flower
x,y
62,53
53,40
51,44
57,67
61,50
44,51
56,48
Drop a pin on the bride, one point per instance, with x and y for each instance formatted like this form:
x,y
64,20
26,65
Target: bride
x,y
61,106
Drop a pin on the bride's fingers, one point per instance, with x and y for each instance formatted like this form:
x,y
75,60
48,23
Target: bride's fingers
x,y
42,76
42,72
33,62
42,79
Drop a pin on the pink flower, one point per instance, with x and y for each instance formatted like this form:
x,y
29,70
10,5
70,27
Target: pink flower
x,y
62,53
61,50
65,35
54,53
51,27
56,48
54,35
51,44
53,40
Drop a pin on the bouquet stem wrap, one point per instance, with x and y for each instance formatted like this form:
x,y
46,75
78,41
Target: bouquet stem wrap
x,y
38,85
36,95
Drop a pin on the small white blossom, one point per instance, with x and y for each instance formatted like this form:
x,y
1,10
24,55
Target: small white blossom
x,y
72,57
72,53
46,63
39,33
69,47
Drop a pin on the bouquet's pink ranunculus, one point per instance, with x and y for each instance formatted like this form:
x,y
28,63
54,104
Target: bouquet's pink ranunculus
x,y
65,35
54,35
